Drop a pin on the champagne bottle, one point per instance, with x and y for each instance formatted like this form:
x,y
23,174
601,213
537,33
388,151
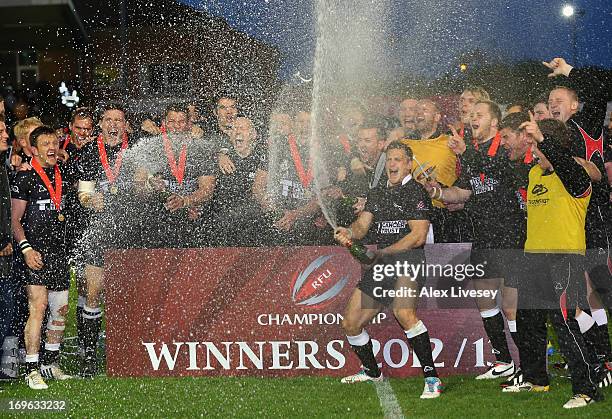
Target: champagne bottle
x,y
348,201
361,253
163,195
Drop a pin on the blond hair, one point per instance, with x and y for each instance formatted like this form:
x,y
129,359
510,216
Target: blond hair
x,y
479,93
22,127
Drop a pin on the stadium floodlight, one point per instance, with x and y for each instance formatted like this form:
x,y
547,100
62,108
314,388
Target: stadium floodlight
x,y
568,10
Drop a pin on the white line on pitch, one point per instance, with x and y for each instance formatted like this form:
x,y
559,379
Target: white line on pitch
x,y
388,401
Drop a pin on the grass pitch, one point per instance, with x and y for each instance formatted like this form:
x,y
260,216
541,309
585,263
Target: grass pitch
x,y
288,397
296,397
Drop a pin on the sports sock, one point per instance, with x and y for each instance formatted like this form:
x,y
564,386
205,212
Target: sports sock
x,y
92,321
32,363
362,345
51,353
513,332
603,335
418,337
79,319
494,326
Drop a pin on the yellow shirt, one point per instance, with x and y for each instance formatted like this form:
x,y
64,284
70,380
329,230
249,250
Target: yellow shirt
x,y
434,159
555,219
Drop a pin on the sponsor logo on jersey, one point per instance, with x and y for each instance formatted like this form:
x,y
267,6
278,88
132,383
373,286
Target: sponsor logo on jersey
x,y
391,227
539,189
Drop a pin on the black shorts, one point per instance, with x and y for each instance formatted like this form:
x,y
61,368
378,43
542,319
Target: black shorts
x,y
548,276
55,273
378,285
500,263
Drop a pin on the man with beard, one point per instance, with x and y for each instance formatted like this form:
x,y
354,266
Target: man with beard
x,y
587,142
370,173
488,188
39,227
174,176
433,159
406,114
226,111
73,144
240,197
398,213
101,190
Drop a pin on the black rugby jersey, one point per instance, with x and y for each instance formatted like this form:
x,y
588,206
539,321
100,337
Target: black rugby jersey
x,y
40,222
392,208
494,204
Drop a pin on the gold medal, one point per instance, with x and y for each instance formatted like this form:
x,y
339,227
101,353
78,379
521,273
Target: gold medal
x,y
61,217
114,189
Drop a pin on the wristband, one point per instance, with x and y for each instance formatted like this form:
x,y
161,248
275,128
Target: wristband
x,y
441,194
25,247
350,232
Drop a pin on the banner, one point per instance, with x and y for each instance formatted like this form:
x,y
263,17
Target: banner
x,y
262,312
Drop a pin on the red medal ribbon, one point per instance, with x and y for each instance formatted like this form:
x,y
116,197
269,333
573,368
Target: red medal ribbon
x,y
492,149
177,171
305,176
66,141
111,174
344,140
528,157
55,194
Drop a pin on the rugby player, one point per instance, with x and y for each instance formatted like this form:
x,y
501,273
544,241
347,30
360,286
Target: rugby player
x,y
39,227
399,214
587,142
558,195
240,197
179,169
487,186
99,189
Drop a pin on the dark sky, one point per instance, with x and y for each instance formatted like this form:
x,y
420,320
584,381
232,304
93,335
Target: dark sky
x,y
430,35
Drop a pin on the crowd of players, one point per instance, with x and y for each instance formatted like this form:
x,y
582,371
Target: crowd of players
x,y
528,189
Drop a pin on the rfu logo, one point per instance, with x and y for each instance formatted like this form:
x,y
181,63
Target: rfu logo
x,y
539,189
317,283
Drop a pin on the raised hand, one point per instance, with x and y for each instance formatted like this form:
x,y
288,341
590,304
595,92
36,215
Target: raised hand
x,y
455,142
559,67
532,129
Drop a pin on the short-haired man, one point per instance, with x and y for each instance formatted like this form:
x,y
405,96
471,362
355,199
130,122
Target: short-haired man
x,y
22,132
588,142
433,159
467,101
540,110
405,205
39,227
100,186
240,197
176,176
558,195
407,114
487,184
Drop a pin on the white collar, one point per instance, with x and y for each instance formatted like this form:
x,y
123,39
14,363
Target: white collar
x,y
404,181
